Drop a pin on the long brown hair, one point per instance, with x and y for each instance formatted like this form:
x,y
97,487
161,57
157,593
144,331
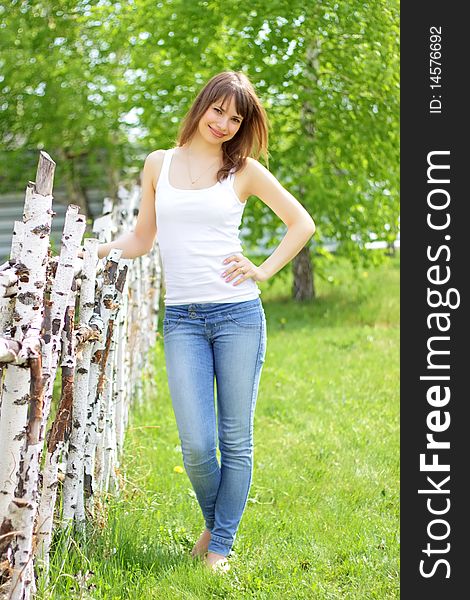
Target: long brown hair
x,y
251,138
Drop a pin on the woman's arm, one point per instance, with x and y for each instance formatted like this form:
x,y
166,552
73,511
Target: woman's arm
x,y
258,181
140,241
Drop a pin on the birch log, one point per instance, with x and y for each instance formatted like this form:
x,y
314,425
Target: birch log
x,y
110,458
103,227
21,509
74,459
77,437
23,514
87,304
26,322
7,301
108,306
120,398
74,228
92,418
56,439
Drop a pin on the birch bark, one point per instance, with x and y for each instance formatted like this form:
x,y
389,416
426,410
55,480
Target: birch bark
x,y
110,457
77,447
74,228
24,514
86,307
24,472
25,327
57,437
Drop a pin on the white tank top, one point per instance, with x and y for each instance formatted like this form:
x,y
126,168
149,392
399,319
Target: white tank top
x,y
196,231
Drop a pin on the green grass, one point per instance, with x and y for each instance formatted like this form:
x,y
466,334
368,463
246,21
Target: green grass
x,y
322,520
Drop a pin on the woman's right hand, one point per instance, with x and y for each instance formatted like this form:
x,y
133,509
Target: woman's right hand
x,y
82,250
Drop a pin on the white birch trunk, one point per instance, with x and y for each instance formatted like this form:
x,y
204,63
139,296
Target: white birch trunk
x,y
93,408
104,228
87,303
77,421
15,399
22,581
23,507
108,439
106,308
138,387
57,438
122,374
74,228
27,318
7,302
111,449
73,483
25,514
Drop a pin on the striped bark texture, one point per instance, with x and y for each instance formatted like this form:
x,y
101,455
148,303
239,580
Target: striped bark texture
x,y
22,463
77,436
26,326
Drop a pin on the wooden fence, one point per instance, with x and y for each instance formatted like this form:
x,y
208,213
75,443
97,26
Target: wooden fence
x,y
96,320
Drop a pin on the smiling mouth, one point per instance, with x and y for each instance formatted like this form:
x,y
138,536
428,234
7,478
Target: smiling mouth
x,y
216,132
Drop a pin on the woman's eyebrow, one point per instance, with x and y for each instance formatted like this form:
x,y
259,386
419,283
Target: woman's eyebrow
x,y
218,106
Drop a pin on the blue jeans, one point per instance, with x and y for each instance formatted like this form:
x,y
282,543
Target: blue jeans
x,y
226,341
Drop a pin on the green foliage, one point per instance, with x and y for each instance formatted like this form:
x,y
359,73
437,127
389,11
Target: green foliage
x,y
101,84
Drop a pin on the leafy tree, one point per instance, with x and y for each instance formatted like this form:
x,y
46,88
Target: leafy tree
x,y
58,95
110,82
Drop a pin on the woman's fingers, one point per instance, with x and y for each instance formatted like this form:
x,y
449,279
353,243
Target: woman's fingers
x,y
234,257
242,269
230,269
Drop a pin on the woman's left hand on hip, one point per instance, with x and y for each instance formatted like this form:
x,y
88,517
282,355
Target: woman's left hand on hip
x,y
242,269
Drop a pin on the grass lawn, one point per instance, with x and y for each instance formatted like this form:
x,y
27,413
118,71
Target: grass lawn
x,y
322,519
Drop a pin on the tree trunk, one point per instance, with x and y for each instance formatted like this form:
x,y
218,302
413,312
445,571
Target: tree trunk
x,y
303,285
21,511
24,506
303,288
26,318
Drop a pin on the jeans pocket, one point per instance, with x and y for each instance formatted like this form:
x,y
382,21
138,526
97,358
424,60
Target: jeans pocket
x,y
171,323
251,319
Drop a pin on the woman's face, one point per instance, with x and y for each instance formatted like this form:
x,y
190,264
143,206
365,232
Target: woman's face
x,y
220,122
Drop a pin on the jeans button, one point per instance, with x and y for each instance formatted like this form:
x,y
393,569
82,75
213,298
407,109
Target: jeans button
x,y
192,315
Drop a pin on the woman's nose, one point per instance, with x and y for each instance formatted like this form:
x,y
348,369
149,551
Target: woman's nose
x,y
222,125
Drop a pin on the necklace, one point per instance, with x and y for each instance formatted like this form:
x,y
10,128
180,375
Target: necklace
x,y
193,181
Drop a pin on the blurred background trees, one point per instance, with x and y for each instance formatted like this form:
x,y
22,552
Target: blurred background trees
x,y
100,84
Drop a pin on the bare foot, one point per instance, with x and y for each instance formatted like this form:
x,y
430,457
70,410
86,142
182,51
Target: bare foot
x,y
217,562
200,547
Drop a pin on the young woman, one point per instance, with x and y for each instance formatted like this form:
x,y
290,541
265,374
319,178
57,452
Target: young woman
x,y
214,327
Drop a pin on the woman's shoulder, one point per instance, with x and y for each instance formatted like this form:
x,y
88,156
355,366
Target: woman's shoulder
x,y
156,156
253,166
248,178
154,163
249,166
253,169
